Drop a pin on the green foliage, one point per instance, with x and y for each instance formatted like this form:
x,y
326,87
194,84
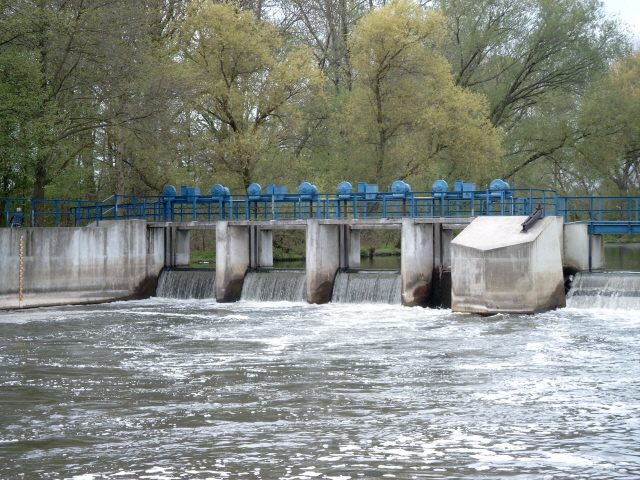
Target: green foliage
x,y
610,115
199,257
405,118
524,57
245,84
20,127
289,245
124,97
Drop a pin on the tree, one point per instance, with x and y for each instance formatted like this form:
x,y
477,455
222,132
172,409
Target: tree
x,y
610,114
20,100
406,119
247,85
93,68
524,56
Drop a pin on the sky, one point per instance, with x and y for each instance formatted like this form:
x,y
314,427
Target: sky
x,y
627,10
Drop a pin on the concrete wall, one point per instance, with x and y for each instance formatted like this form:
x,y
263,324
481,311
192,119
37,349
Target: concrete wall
x,y
183,248
78,265
354,248
498,268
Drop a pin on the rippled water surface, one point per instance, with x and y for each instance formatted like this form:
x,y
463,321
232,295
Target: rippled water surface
x,y
164,389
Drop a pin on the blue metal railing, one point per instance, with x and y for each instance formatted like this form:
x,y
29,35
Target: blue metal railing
x,y
603,214
280,207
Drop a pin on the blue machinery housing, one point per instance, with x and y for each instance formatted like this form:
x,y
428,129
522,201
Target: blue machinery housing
x,y
603,214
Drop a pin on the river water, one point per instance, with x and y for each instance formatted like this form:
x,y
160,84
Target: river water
x,y
170,389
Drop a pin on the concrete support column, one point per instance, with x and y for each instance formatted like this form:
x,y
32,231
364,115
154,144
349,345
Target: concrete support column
x,y
176,247
155,253
442,247
169,246
182,248
323,260
581,251
354,249
232,260
349,247
254,246
416,262
266,248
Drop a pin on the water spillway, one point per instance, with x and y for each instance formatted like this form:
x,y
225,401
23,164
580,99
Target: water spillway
x,y
187,283
368,287
614,290
275,286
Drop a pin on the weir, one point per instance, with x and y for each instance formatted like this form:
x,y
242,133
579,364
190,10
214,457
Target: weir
x,y
118,260
332,246
368,286
612,290
275,286
131,239
187,283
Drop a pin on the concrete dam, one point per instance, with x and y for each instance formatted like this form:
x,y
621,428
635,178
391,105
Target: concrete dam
x,y
493,265
481,251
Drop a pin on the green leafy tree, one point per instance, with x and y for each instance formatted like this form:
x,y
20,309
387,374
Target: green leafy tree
x,y
525,56
20,127
610,115
247,85
406,118
87,72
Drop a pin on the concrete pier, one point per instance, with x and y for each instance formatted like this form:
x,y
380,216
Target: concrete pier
x,y
349,247
232,260
176,247
582,251
499,268
416,262
265,239
323,260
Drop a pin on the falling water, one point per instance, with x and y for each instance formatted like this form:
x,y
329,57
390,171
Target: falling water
x,y
275,285
188,283
616,290
367,287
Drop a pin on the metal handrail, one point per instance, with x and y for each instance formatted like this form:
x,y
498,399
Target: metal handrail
x,y
56,212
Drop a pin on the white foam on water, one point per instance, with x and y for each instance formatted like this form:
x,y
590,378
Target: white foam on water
x,y
236,317
568,459
159,470
330,458
350,448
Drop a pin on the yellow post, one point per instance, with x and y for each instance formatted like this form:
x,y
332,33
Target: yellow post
x,y
21,267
